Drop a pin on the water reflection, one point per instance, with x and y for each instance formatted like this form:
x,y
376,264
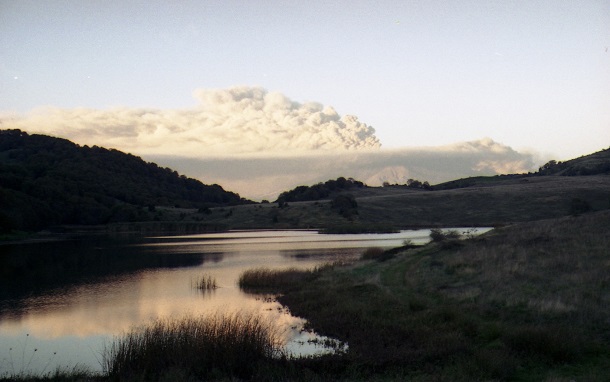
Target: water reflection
x,y
71,297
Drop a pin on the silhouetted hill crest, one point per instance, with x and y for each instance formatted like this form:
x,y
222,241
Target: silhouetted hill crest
x,y
46,181
592,164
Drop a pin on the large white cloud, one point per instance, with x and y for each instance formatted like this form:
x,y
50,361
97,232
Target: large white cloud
x,y
260,143
228,121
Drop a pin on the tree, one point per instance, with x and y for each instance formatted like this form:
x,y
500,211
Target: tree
x,y
345,204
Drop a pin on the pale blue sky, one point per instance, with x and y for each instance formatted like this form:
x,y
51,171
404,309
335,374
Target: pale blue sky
x,y
529,74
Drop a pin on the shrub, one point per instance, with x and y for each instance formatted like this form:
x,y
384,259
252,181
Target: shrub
x,y
437,235
346,205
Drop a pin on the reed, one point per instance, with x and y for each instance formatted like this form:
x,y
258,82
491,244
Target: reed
x,y
210,347
265,278
205,283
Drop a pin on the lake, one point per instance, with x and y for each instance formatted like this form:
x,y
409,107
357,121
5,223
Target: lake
x,y
62,302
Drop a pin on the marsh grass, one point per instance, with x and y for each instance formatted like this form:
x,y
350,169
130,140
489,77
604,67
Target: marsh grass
x,y
212,347
204,283
264,278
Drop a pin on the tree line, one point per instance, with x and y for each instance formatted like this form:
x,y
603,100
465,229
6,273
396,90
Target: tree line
x,y
47,181
318,191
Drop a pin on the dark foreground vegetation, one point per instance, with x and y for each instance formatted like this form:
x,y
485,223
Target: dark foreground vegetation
x,y
48,181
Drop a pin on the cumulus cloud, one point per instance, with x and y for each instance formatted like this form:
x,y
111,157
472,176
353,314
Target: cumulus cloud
x,y
260,143
226,121
265,176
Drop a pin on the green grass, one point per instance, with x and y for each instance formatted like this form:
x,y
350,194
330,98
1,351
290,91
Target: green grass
x,y
204,283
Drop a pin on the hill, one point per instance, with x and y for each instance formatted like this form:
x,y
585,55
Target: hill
x,y
476,201
597,163
47,181
593,164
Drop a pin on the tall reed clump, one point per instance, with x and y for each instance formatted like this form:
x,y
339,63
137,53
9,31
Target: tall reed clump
x,y
215,346
206,283
265,278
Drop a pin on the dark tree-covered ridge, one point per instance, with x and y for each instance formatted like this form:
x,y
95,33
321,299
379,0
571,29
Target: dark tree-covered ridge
x,y
318,191
46,181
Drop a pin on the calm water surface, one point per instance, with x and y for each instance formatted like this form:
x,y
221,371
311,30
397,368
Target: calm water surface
x,y
60,303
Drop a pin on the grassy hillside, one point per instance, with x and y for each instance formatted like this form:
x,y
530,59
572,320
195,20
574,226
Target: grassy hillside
x,y
526,302
504,201
46,181
476,201
593,164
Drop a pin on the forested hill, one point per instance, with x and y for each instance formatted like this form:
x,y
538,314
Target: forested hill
x,y
47,181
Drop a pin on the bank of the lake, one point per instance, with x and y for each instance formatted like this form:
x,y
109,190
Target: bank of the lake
x,y
527,302
62,300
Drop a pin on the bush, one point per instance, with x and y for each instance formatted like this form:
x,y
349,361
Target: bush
x,y
346,205
437,235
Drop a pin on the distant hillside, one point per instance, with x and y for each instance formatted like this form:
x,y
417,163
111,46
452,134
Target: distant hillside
x,y
47,181
331,187
558,189
593,164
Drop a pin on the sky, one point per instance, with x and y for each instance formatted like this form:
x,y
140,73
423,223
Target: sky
x,y
233,80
